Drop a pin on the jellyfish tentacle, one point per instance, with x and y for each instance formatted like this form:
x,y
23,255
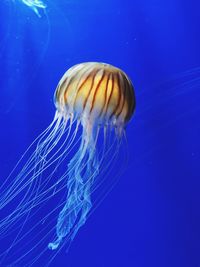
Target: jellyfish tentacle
x,y
21,209
61,204
71,209
31,183
107,153
83,167
92,170
32,163
38,196
4,186
33,191
27,169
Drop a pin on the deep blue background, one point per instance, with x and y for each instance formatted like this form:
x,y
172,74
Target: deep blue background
x,y
152,216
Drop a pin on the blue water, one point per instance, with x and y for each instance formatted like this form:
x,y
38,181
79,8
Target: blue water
x,y
152,215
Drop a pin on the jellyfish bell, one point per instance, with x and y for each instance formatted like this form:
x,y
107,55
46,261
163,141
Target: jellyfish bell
x,y
96,92
91,100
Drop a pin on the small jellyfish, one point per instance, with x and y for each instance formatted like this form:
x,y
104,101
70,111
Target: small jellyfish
x,y
92,100
35,5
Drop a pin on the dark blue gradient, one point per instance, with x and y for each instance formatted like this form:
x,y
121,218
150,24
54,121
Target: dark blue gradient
x,y
151,218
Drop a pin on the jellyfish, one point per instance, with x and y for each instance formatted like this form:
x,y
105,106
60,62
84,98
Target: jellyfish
x,y
35,5
92,100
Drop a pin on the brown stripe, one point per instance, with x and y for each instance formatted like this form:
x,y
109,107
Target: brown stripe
x,y
58,90
105,94
132,97
124,92
56,94
80,86
131,100
96,90
65,91
110,94
119,96
85,80
74,76
93,78
76,73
